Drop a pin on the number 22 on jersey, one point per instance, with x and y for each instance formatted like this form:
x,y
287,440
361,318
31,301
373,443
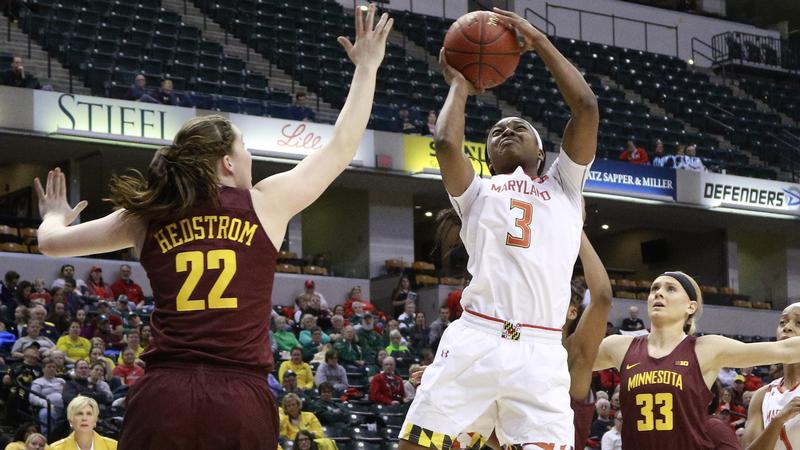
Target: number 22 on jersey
x,y
195,263
523,224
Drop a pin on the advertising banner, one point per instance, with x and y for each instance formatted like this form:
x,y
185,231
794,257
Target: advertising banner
x,y
729,191
420,156
632,180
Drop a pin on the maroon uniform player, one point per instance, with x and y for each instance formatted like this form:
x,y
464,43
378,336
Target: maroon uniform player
x,y
666,375
207,239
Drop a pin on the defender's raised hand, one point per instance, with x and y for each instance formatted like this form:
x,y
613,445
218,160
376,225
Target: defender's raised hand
x,y
53,198
370,44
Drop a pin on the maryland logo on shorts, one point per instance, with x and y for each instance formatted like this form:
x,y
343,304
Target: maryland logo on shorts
x,y
431,439
511,330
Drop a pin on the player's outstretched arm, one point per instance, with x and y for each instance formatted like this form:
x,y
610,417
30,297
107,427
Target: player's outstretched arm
x,y
57,238
591,329
457,171
612,351
288,193
580,135
715,352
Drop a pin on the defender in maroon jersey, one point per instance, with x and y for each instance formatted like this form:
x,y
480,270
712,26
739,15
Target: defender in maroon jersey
x,y
667,374
207,238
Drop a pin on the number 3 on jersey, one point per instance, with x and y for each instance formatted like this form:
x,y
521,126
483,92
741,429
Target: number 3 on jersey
x,y
523,223
195,263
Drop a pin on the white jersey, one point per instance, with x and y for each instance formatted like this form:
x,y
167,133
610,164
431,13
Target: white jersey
x,y
775,399
522,235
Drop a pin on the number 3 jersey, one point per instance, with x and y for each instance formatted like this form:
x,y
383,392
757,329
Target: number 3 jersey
x,y
522,235
664,401
775,399
211,273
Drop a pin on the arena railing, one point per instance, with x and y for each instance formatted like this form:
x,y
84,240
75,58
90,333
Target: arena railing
x,y
614,18
748,48
34,409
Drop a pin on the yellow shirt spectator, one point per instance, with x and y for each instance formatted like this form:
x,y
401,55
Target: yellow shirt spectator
x,y
305,377
74,348
292,419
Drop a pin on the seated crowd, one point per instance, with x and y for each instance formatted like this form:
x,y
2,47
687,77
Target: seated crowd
x,y
66,339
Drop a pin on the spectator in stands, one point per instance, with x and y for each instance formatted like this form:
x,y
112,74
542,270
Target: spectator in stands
x,y
40,291
21,317
612,439
21,375
328,410
97,288
88,382
438,326
36,441
68,273
419,335
369,338
127,287
659,158
692,161
21,436
751,382
604,420
87,330
400,294
348,349
405,122
96,355
82,414
8,292
17,77
337,328
386,388
677,161
738,389
299,110
430,126
44,345
132,341
300,308
293,419
60,360
311,348
122,309
632,322
165,94
59,317
339,309
634,154
356,296
305,440
397,350
331,372
305,378
129,372
375,365
727,401
308,324
310,289
289,386
357,315
24,291
49,388
106,331
39,312
283,335
408,318
75,301
138,91
73,345
145,333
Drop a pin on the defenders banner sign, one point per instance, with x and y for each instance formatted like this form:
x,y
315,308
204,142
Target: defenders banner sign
x,y
718,190
632,180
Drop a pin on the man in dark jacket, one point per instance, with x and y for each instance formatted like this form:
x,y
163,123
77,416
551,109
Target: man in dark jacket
x,y
17,77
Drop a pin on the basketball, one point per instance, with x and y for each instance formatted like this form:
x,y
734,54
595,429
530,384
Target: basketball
x,y
484,50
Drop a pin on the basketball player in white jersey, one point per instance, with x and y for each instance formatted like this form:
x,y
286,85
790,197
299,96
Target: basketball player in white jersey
x,y
773,420
502,365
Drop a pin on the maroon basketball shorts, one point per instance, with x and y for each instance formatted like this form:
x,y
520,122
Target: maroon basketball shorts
x,y
200,407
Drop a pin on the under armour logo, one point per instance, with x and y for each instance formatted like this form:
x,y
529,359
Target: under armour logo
x,y
445,353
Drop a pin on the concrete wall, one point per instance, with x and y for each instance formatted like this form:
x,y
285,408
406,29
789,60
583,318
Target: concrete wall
x,y
764,266
391,229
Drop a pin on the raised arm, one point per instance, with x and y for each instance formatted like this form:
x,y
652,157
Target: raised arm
x,y
290,192
612,351
580,135
591,329
457,171
57,238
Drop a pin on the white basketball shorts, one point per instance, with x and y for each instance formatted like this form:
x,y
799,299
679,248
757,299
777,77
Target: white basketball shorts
x,y
490,375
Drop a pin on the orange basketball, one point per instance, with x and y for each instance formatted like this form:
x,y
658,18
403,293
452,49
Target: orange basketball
x,y
480,47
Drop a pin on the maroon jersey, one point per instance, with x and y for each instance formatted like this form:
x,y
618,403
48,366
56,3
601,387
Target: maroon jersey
x,y
664,401
211,274
584,413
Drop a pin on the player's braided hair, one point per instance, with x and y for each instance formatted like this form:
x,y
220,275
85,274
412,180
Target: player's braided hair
x,y
180,175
